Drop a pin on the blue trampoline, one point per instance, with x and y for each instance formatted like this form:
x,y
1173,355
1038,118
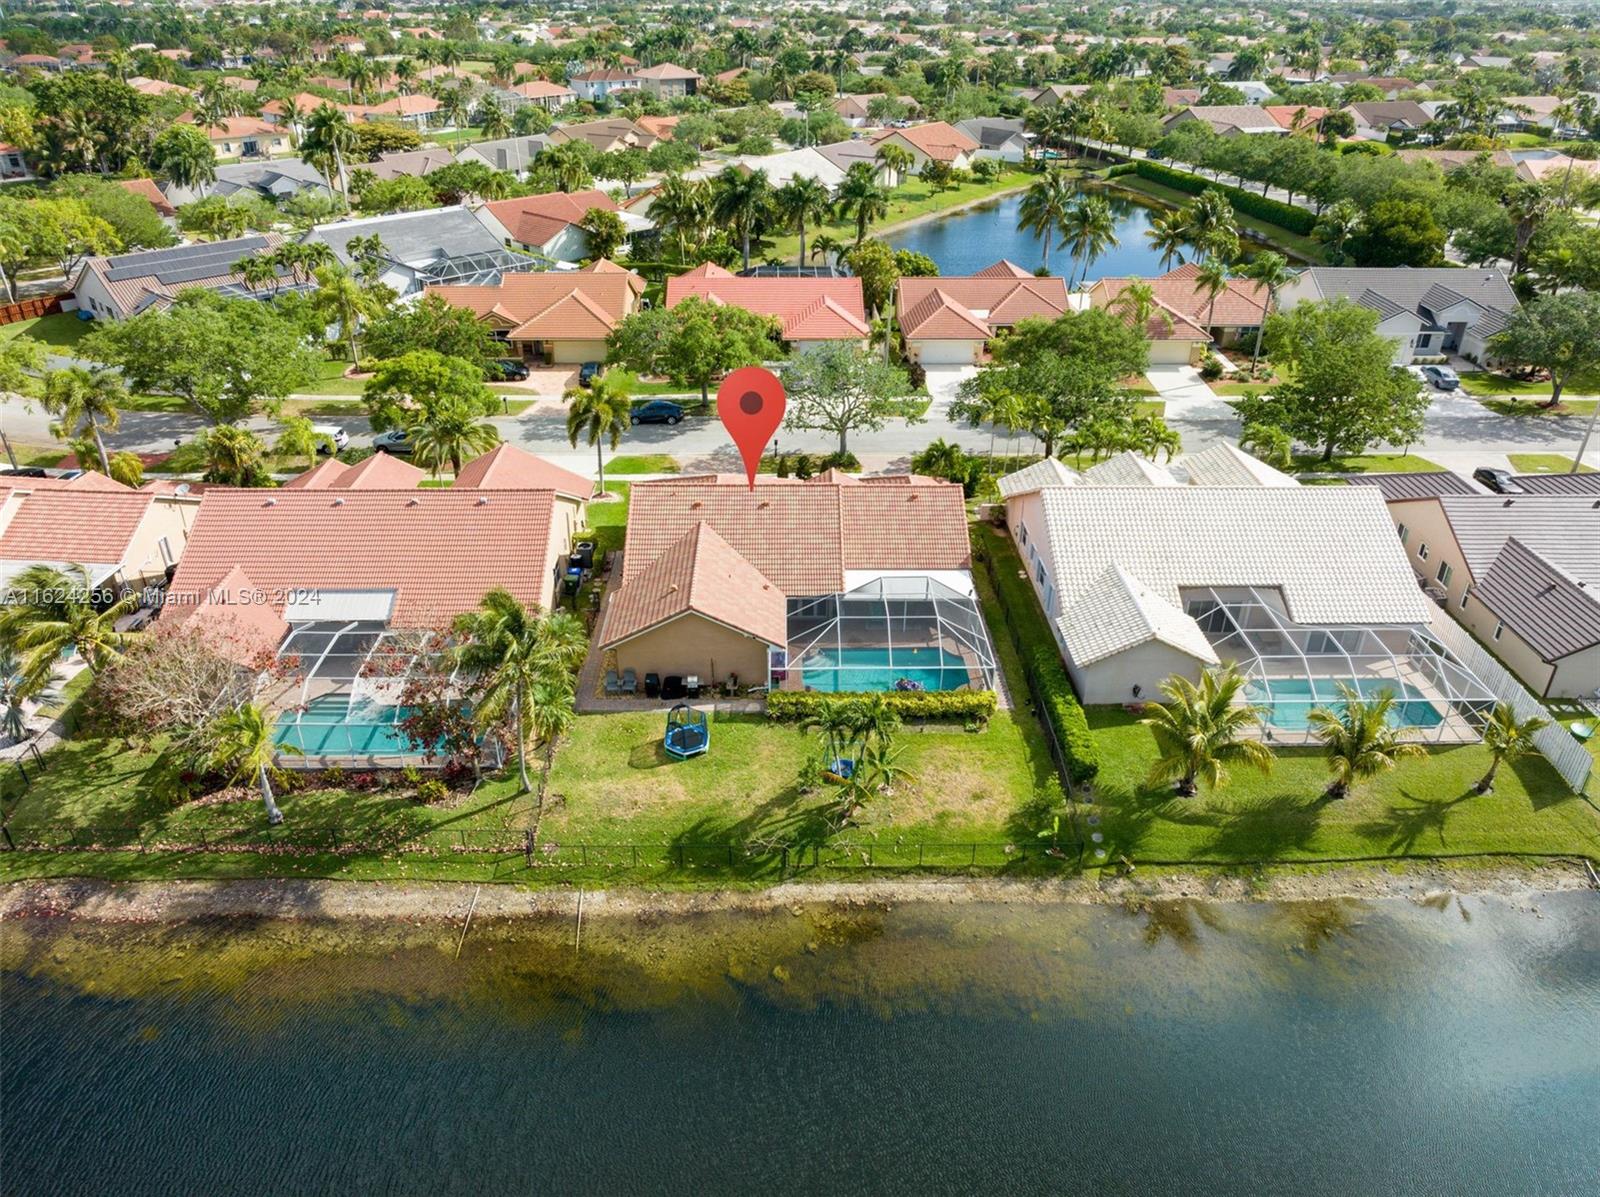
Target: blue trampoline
x,y
688,734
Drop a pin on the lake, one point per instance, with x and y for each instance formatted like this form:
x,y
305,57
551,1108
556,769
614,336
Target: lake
x,y
1451,1047
967,241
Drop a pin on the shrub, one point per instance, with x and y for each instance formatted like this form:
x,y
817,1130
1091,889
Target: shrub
x,y
790,706
1064,713
1121,168
1211,368
846,461
802,465
127,469
433,790
1287,216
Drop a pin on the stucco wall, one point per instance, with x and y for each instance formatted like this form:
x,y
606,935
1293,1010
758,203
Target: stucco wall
x,y
691,644
1146,666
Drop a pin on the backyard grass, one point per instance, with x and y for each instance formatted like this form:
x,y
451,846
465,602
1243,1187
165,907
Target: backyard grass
x,y
642,463
1544,463
1301,246
61,331
1368,463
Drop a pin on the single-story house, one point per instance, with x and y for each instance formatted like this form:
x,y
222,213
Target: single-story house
x,y
939,141
1402,119
1521,572
435,245
1431,311
1052,95
122,537
514,154
539,92
951,320
1186,320
549,224
840,156
274,179
418,163
834,583
809,311
557,317
1001,138
1302,588
608,135
146,189
117,287
1229,120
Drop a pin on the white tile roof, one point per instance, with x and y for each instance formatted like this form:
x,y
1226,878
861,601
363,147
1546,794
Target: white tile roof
x,y
1228,465
1128,469
1046,472
1118,612
1330,551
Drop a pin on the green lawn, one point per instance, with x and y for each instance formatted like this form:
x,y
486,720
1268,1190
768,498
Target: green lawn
x,y
143,401
61,331
642,463
1501,394
1544,463
1368,463
1534,407
1297,244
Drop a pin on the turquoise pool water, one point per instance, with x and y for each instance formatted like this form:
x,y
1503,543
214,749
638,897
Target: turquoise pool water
x,y
330,726
1291,700
849,669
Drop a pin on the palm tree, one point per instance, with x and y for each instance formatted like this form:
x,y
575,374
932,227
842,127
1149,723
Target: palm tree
x,y
329,141
1044,208
85,402
1213,226
1169,234
13,722
299,438
1507,738
456,108
449,432
1272,271
684,206
242,744
1089,230
861,196
1212,279
742,199
1137,301
1338,224
1202,729
184,157
54,610
1358,739
233,454
896,159
827,247
802,199
341,298
492,119
599,413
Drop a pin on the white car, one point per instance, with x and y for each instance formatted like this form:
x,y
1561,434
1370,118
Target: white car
x,y
331,434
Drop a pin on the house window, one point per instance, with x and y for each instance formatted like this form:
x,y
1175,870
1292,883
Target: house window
x,y
1498,628
1038,572
1405,533
1422,551
1022,532
1465,595
166,551
1445,574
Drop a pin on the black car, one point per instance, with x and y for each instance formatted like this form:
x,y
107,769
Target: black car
x,y
657,411
506,369
1499,481
25,472
587,373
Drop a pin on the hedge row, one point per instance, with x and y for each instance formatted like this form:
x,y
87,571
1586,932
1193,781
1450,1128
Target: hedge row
x,y
1286,216
794,705
1121,168
1065,713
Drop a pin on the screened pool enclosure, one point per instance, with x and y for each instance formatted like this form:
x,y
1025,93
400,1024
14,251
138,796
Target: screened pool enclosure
x,y
895,632
1291,669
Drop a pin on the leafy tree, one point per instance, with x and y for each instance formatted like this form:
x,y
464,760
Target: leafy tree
x,y
51,610
603,231
244,745
1202,729
939,176
1398,232
1345,394
839,388
600,413
84,403
298,437
226,358
626,167
1508,739
89,121
1558,333
133,218
639,340
373,139
878,268
403,193
431,323
1358,739
709,340
183,155
404,388
1338,225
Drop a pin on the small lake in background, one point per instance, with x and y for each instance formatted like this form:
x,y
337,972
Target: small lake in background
x,y
1449,1047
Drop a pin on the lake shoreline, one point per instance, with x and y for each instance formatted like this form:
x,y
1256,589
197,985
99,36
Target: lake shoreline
x,y
306,899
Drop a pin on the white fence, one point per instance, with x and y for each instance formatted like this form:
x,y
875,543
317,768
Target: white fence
x,y
1569,758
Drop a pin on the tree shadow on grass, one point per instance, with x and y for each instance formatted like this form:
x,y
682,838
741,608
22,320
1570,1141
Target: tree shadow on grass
x,y
1128,814
1408,821
1264,828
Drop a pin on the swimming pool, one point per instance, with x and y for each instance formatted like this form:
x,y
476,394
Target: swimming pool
x,y
852,669
1291,700
331,726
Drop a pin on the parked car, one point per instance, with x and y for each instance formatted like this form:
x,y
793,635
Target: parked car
x,y
587,373
334,437
506,369
25,472
394,441
1499,481
657,411
1442,377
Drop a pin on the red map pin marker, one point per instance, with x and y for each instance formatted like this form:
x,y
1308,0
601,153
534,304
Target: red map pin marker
x,y
750,404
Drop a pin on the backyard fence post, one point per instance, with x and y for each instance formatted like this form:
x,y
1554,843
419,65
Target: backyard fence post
x,y
527,848
921,845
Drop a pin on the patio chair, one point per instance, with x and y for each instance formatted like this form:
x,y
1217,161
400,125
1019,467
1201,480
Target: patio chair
x,y
630,682
613,686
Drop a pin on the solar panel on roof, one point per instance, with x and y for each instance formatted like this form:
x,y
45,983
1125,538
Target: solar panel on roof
x,y
161,262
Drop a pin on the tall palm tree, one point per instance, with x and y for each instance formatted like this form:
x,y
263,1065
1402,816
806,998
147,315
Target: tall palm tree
x,y
1169,235
184,156
1357,738
232,454
800,200
54,609
1272,271
1212,224
684,206
742,199
1202,729
1044,208
599,413
456,108
1337,225
341,298
827,247
85,402
1137,301
242,744
449,432
896,159
329,141
1088,231
492,119
1212,279
1507,738
861,196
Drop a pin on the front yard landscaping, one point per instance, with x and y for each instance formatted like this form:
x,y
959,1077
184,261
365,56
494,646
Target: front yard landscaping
x,y
1544,463
1367,463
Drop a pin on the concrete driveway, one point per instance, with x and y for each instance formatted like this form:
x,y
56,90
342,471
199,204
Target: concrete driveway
x,y
943,382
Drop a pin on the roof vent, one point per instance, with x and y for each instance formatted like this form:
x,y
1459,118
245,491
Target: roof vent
x,y
270,503
695,506
913,497
483,501
1508,503
339,502
413,502
764,504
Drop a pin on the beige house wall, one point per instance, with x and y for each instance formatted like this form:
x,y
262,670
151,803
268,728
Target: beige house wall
x,y
168,520
1146,665
692,644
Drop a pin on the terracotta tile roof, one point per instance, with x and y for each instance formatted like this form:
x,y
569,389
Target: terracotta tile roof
x,y
1295,116
320,476
1004,269
701,573
66,525
234,624
147,189
534,219
939,140
89,480
540,89
234,126
1242,305
666,70
381,471
508,467
806,308
613,133
976,306
439,550
804,535
661,126
576,304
